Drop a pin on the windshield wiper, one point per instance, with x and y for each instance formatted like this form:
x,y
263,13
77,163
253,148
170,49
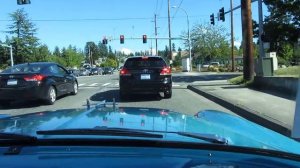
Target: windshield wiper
x,y
13,136
100,131
206,137
132,133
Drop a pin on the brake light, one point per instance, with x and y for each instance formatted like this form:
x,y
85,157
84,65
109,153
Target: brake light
x,y
34,78
145,58
165,71
124,72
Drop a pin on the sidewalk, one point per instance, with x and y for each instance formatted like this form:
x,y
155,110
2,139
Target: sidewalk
x,y
273,112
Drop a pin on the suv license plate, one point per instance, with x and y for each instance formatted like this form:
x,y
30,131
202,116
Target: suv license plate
x,y
145,76
11,82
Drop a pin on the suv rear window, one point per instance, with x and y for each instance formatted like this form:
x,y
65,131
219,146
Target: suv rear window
x,y
136,63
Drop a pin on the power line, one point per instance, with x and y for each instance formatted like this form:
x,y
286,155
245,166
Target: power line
x,y
156,6
177,10
102,19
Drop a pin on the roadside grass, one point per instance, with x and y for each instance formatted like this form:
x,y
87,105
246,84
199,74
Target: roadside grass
x,y
239,80
293,71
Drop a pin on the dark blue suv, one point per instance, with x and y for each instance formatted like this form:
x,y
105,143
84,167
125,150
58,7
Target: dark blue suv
x,y
145,75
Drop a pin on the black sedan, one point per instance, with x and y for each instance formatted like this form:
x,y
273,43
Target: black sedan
x,y
42,80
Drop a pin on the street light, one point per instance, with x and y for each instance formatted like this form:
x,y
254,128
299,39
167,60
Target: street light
x,y
11,53
189,36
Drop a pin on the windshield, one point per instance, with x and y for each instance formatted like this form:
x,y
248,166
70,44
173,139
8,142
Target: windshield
x,y
227,69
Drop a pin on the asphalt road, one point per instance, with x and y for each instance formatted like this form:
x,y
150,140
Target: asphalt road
x,y
99,88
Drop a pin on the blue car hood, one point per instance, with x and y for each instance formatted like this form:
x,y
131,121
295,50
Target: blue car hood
x,y
236,130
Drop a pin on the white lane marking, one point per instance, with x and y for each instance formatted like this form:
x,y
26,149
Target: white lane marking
x,y
106,84
94,84
175,85
82,84
117,84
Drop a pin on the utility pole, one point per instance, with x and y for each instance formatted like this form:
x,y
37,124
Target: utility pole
x,y
169,24
247,31
261,43
155,35
232,38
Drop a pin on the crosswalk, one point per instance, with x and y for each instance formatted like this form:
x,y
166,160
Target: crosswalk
x,y
95,85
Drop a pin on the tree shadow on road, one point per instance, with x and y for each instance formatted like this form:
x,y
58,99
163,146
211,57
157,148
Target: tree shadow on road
x,y
114,94
203,77
23,104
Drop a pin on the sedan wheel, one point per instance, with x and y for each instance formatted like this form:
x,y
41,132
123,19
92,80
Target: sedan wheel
x,y
51,97
75,88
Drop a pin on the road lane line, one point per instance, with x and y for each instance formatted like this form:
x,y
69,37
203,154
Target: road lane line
x,y
82,84
94,84
175,85
117,84
106,84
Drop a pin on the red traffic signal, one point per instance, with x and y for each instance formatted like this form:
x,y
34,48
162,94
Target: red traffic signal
x,y
144,38
122,39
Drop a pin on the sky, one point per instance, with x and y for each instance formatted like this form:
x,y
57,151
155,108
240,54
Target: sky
x,y
64,22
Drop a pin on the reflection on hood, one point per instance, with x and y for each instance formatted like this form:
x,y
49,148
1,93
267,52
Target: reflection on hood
x,y
236,130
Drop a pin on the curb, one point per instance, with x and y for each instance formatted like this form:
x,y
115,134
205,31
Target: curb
x,y
245,112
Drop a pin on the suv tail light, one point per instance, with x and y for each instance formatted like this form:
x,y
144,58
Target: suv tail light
x,y
165,71
124,72
34,78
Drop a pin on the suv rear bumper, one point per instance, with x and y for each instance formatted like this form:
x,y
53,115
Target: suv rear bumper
x,y
144,87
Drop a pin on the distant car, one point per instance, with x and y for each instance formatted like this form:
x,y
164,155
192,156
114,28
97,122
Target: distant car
x,y
75,72
214,64
96,71
145,74
84,72
41,80
108,70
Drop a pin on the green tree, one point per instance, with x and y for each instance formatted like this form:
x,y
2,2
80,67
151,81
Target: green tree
x,y
56,51
282,26
42,53
24,40
103,51
210,42
173,47
91,49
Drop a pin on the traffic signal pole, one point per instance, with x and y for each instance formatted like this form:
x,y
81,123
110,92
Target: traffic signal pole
x,y
247,31
155,35
169,25
232,38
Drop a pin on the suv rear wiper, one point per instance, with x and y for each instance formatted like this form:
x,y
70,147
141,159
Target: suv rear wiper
x,y
13,136
101,131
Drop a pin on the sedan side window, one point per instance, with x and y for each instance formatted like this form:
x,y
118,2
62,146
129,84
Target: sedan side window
x,y
61,70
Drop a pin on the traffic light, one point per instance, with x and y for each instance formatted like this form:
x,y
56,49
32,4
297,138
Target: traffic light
x,y
23,2
122,39
212,19
222,14
104,41
144,38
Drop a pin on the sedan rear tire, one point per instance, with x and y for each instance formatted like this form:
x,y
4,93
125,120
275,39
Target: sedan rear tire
x,y
168,94
75,89
51,96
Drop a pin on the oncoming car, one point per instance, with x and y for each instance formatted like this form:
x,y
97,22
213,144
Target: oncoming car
x,y
145,74
41,80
